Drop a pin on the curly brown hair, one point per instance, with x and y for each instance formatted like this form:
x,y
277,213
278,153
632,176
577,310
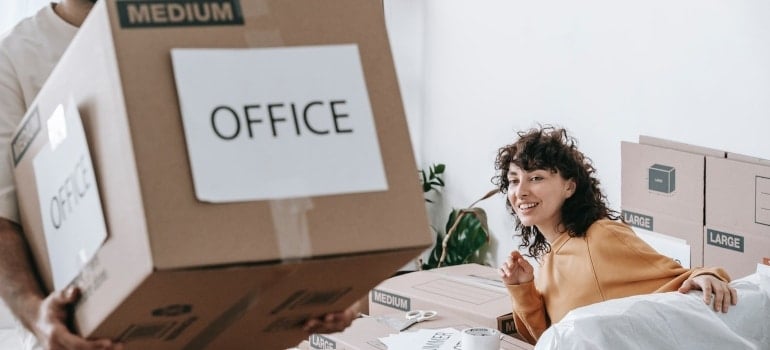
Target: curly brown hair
x,y
551,148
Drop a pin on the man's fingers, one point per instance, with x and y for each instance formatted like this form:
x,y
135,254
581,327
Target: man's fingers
x,y
66,296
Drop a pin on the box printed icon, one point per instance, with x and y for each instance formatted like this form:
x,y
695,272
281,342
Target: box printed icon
x,y
662,178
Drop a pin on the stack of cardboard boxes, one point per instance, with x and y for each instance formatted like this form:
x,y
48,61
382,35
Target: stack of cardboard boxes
x,y
464,296
701,206
241,166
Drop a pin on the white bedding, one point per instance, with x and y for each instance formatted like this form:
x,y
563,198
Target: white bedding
x,y
669,321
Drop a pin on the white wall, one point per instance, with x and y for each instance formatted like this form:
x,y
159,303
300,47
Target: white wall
x,y
693,71
11,11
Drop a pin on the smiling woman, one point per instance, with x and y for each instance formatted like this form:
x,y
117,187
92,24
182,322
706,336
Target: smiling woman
x,y
586,253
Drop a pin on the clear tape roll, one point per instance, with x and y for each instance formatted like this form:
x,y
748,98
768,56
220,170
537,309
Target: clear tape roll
x,y
480,338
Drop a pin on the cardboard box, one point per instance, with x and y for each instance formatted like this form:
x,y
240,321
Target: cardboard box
x,y
473,292
662,189
190,248
737,232
365,333
276,316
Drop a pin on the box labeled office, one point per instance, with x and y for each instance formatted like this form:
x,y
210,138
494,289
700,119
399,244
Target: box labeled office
x,y
190,248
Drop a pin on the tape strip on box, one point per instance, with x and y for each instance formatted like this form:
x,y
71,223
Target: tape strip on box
x,y
290,222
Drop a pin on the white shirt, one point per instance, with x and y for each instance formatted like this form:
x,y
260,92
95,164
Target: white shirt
x,y
28,54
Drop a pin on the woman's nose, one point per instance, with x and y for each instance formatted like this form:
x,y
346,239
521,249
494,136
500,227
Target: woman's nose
x,y
522,190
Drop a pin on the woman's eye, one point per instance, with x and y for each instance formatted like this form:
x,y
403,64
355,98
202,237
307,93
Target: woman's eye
x,y
536,178
513,181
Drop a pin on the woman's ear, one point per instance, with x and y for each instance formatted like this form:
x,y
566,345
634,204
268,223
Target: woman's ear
x,y
569,190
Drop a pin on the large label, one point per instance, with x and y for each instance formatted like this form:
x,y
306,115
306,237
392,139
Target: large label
x,y
275,123
320,342
725,240
637,220
70,207
174,13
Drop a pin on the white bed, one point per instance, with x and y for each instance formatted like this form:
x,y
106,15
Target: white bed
x,y
669,321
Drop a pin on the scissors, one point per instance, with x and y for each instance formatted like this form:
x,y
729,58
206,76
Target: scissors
x,y
415,316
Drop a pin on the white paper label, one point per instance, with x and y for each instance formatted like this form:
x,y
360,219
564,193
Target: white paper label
x,y
275,123
73,223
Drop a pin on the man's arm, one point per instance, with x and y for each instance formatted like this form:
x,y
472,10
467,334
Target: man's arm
x,y
19,287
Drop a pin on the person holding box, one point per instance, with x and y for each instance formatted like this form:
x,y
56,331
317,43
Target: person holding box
x,y
28,54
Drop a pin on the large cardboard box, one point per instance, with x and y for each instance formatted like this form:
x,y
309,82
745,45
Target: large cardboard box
x,y
473,292
365,333
225,176
737,232
662,189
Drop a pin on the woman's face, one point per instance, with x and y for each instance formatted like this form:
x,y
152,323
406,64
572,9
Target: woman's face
x,y
537,196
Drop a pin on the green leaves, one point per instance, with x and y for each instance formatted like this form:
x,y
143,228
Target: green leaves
x,y
466,229
432,181
467,234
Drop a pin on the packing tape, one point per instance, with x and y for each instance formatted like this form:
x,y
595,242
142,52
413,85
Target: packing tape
x,y
291,226
289,215
480,339
259,14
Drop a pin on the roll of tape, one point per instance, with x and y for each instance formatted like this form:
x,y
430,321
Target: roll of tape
x,y
480,339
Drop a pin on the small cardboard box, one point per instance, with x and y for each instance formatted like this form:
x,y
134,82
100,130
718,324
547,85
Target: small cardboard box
x,y
221,181
662,189
737,232
473,292
365,333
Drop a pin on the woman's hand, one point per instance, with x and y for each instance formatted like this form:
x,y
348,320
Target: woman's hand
x,y
724,295
516,270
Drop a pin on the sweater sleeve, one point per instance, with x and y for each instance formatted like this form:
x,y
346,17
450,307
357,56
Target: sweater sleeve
x,y
529,312
625,265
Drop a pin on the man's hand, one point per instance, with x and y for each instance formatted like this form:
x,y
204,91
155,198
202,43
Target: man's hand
x,y
724,295
51,330
516,270
333,321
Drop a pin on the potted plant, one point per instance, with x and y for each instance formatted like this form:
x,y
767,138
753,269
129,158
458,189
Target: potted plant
x,y
465,232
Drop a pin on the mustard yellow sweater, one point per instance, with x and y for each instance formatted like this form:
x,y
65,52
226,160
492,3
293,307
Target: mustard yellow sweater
x,y
609,262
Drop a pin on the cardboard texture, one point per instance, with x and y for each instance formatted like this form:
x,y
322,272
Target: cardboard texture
x,y
473,292
737,231
310,290
165,249
364,333
662,189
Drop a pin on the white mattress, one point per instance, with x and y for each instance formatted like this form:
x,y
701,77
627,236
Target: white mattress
x,y
668,321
